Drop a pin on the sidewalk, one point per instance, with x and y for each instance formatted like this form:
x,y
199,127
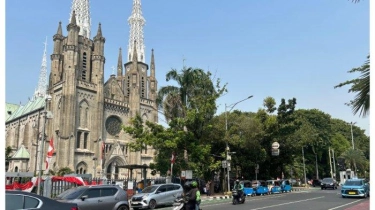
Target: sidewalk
x,y
362,206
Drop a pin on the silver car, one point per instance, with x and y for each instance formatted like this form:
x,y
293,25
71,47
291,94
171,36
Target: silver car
x,y
155,195
108,197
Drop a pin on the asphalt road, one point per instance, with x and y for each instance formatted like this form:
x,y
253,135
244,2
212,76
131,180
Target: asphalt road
x,y
305,200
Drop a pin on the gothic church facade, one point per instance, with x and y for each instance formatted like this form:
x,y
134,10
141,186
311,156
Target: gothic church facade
x,y
88,112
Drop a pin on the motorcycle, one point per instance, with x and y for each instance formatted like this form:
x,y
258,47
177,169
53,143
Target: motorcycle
x,y
179,202
237,198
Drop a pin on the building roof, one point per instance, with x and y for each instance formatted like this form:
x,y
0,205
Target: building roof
x,y
21,110
21,153
9,109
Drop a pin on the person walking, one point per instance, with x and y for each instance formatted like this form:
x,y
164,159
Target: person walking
x,y
208,189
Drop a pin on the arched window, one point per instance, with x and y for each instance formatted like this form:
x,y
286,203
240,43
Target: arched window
x,y
84,70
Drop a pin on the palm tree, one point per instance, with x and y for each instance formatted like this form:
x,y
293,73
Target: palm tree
x,y
354,158
360,86
174,100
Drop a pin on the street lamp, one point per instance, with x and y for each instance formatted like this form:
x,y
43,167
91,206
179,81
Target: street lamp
x,y
226,132
47,98
351,130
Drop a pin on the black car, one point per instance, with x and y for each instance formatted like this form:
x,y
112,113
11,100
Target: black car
x,y
16,200
328,183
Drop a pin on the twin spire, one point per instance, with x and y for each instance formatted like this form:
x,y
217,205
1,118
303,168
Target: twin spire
x,y
41,90
136,22
82,18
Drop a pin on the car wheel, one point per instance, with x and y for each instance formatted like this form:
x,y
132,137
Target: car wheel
x,y
123,207
152,204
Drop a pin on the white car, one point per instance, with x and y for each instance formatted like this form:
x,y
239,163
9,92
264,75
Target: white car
x,y
155,195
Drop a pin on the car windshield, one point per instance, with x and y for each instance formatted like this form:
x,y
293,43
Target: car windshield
x,y
149,189
327,180
353,182
71,194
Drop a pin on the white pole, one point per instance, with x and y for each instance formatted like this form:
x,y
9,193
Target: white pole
x,y
304,168
330,161
334,163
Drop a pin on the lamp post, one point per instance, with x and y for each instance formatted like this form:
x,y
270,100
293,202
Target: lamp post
x,y
47,98
226,134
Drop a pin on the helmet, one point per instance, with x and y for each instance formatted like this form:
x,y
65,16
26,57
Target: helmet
x,y
237,181
194,184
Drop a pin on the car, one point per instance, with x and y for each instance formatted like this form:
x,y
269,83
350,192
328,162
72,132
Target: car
x,y
355,188
316,182
17,200
328,183
156,195
109,197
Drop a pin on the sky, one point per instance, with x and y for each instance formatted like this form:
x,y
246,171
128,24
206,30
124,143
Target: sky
x,y
282,49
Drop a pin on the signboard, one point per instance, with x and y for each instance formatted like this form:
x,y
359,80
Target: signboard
x,y
224,164
130,185
275,145
183,174
275,152
189,174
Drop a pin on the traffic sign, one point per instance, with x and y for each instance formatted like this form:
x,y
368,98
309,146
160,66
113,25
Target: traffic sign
x,y
275,152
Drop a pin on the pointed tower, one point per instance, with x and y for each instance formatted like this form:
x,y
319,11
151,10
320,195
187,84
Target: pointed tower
x,y
136,23
82,10
119,64
42,84
153,84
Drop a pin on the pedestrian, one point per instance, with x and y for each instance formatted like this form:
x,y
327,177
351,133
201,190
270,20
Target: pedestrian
x,y
208,189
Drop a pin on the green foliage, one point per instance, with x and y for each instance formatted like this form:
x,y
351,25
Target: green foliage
x,y
360,86
8,151
63,171
339,144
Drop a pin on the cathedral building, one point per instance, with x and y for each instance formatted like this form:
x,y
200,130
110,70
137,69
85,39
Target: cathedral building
x,y
80,112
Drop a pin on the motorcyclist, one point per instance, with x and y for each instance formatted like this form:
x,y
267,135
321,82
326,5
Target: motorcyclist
x,y
194,198
239,188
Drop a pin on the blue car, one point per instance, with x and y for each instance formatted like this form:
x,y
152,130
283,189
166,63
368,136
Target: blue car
x,y
355,188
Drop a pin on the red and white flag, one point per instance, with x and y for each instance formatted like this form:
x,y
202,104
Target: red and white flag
x,y
173,158
51,150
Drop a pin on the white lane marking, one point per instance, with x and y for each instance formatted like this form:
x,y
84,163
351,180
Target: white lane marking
x,y
282,204
345,204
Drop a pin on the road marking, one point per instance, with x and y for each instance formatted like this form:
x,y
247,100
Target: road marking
x,y
345,204
282,204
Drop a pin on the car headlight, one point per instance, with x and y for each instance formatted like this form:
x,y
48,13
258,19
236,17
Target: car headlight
x,y
145,196
321,183
331,184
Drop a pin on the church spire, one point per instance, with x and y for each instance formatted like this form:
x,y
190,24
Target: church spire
x,y
42,83
135,55
136,23
82,11
152,63
59,29
119,64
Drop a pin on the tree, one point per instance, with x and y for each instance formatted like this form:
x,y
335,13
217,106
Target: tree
x,y
8,151
63,171
360,86
355,159
189,108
